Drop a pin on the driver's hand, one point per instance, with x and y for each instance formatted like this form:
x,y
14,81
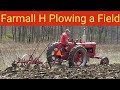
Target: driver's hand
x,y
70,40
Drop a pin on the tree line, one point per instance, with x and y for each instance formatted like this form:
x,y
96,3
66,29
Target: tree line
x,y
30,34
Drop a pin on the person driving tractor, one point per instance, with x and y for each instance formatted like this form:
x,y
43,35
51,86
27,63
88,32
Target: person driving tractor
x,y
64,39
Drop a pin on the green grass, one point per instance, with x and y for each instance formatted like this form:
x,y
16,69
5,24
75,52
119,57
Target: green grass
x,y
7,37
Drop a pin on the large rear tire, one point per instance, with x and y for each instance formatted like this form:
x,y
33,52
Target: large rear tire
x,y
49,53
78,50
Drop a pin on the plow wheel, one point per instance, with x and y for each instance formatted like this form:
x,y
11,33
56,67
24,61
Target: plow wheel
x,y
78,56
25,61
104,61
51,58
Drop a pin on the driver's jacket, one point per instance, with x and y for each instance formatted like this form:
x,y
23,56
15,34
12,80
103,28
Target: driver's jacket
x,y
64,38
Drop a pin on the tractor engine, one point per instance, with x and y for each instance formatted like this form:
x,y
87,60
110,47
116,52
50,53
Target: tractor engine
x,y
90,47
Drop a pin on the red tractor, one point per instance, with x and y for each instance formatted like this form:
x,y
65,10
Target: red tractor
x,y
77,53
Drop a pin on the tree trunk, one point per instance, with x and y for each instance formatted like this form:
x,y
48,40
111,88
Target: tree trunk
x,y
117,34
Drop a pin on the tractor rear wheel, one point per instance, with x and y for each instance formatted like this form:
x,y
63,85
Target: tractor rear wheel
x,y
78,56
50,54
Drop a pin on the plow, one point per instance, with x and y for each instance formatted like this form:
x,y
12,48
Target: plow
x,y
27,60
77,53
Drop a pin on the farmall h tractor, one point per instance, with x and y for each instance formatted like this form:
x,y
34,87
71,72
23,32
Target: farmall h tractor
x,y
77,53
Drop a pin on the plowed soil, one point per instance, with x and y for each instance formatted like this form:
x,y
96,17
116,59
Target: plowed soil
x,y
92,71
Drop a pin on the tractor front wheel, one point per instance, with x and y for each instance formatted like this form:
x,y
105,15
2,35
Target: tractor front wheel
x,y
104,61
78,56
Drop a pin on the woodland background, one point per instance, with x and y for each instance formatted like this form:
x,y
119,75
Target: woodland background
x,y
31,34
